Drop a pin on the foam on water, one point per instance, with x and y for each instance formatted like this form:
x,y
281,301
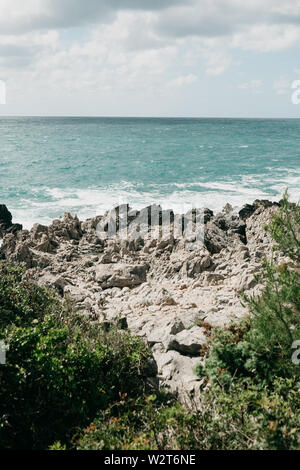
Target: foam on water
x,y
92,201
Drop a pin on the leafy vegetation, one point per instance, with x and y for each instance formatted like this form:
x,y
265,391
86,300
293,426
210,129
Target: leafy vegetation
x,y
240,418
59,368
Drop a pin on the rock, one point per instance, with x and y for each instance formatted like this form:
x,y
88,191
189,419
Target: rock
x,y
165,330
5,217
78,294
121,275
247,211
14,228
213,278
67,229
37,231
265,203
215,240
6,225
196,266
244,282
176,372
122,323
187,341
60,284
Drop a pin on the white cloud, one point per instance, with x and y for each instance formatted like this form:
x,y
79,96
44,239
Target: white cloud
x,y
282,86
19,16
182,81
253,84
266,38
105,61
135,45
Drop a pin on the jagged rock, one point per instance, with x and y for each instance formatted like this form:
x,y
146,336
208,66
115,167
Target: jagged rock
x,y
176,371
37,231
265,203
187,341
164,331
121,275
215,240
69,228
5,217
23,254
247,211
60,284
6,225
244,282
232,224
196,266
14,228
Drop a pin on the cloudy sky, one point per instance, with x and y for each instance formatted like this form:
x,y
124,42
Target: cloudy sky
x,y
150,57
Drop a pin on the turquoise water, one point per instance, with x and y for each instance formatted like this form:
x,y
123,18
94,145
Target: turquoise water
x,y
88,165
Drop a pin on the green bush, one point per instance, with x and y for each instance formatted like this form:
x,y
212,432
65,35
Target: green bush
x,y
59,368
237,419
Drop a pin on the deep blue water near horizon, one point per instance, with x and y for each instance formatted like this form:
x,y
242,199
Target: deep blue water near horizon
x,y
88,165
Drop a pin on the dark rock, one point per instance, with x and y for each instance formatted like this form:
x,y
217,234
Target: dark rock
x,y
215,239
208,215
5,217
265,203
247,211
14,228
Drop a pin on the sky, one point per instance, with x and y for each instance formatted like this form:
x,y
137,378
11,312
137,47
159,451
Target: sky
x,y
193,58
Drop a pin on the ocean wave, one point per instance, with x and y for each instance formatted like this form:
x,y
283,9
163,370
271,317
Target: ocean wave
x,y
49,203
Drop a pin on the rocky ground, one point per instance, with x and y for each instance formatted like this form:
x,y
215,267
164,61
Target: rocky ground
x,y
163,287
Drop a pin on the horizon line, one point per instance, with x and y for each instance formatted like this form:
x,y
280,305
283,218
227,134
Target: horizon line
x,y
143,117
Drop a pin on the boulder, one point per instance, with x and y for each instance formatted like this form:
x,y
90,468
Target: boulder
x,y
121,275
192,268
37,231
164,331
247,211
188,342
215,240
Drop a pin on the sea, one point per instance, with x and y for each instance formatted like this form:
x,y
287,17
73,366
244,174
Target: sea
x,y
85,166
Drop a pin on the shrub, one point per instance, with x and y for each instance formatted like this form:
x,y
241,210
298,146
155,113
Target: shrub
x,y
59,369
237,419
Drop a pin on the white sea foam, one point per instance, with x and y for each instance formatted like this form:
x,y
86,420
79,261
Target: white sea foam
x,y
95,201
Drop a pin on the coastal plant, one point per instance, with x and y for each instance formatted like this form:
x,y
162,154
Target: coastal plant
x,y
60,369
240,418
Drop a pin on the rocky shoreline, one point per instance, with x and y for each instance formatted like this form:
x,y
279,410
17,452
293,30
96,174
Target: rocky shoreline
x,y
157,286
